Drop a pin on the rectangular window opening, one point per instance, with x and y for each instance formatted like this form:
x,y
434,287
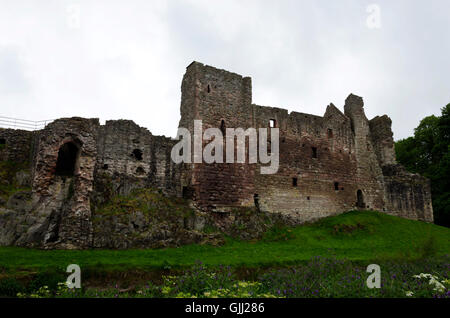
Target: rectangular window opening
x,y
330,133
272,123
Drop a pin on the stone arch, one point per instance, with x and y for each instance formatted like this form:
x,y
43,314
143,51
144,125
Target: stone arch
x,y
360,199
68,157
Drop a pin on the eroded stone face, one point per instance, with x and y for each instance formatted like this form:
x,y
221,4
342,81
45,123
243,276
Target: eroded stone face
x,y
328,165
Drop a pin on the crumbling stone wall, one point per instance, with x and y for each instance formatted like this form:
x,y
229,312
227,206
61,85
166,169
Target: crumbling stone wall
x,y
16,145
108,160
408,194
382,139
63,201
304,186
133,158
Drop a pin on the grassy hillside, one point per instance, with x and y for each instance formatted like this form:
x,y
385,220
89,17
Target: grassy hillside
x,y
356,235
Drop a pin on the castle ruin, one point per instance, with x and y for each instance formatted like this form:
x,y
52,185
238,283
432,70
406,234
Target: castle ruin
x,y
327,165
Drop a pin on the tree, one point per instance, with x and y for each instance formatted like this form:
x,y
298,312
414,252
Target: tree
x,y
428,153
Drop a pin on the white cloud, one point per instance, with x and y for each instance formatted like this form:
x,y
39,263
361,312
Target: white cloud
x,y
127,58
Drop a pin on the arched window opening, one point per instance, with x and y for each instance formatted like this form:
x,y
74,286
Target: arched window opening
x,y
336,186
137,154
294,182
314,152
360,199
140,171
67,159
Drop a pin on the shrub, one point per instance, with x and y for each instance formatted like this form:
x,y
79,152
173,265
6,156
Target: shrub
x,y
199,280
50,279
10,287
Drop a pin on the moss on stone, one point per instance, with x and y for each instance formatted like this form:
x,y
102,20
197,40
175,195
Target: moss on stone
x,y
8,182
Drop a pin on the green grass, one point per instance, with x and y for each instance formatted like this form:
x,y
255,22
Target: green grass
x,y
356,236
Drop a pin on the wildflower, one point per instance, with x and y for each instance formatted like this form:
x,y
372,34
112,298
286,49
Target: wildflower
x,y
409,293
165,290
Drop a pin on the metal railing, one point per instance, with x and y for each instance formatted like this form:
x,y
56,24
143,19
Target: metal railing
x,y
15,123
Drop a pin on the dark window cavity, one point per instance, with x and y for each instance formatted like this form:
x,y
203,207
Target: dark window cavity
x,y
223,128
330,133
336,186
256,201
294,182
140,171
360,200
188,193
314,152
137,154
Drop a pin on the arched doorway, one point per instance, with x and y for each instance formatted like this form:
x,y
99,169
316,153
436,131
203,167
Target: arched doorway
x,y
360,199
67,159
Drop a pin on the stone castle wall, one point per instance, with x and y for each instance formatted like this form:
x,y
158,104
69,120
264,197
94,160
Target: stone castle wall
x,y
328,164
324,161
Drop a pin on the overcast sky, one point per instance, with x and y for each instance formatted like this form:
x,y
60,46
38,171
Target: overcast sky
x,y
125,59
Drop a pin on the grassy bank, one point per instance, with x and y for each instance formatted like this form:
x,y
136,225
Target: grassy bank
x,y
356,236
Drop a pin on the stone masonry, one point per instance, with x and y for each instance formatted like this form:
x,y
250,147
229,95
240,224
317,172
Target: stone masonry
x,y
328,165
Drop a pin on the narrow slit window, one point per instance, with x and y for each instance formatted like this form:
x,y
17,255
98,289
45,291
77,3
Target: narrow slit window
x,y
336,186
223,128
314,152
330,133
294,182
